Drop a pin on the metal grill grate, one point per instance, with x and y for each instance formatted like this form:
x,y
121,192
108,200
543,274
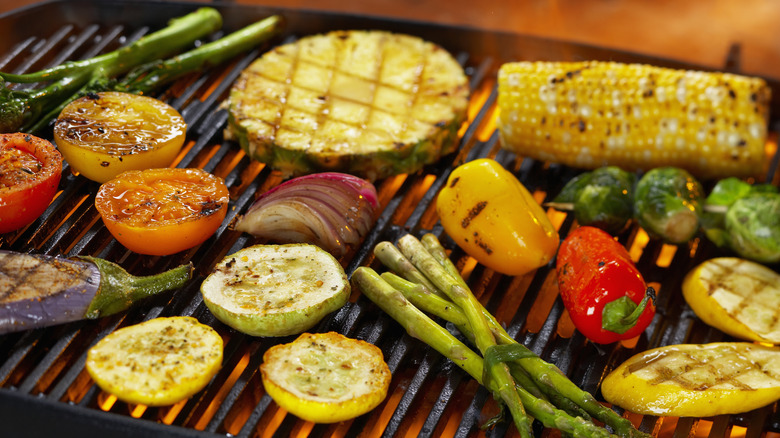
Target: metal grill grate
x,y
43,386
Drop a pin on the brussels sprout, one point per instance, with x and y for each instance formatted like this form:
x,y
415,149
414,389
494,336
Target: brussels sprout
x,y
668,204
603,198
723,195
753,227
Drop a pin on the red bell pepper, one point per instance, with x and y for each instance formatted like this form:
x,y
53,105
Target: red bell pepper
x,y
604,293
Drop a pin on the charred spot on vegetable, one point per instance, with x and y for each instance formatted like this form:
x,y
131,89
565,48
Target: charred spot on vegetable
x,y
481,244
210,207
473,212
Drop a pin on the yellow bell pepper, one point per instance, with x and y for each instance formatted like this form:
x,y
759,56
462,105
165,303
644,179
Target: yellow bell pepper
x,y
494,218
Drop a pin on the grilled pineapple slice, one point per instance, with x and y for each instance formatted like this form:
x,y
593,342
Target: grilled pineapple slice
x,y
696,380
370,103
736,296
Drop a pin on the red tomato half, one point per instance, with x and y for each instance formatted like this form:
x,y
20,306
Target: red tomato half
x,y
30,170
162,211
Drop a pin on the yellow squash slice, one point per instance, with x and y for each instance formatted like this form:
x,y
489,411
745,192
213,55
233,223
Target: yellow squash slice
x,y
736,296
696,380
276,290
326,377
158,362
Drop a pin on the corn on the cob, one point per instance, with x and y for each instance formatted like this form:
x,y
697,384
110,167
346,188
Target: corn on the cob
x,y
371,103
591,114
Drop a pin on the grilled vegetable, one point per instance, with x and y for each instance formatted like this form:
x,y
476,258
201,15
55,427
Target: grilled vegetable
x,y
747,221
668,204
605,294
158,362
21,110
493,217
368,103
696,380
31,109
104,134
325,377
41,290
736,296
420,285
603,198
332,210
30,169
592,114
275,290
162,211
753,227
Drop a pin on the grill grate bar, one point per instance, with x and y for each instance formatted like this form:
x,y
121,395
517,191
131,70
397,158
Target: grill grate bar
x,y
54,352
16,51
428,365
42,48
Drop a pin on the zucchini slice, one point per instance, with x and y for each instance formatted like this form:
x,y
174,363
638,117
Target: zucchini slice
x,y
325,377
276,290
158,362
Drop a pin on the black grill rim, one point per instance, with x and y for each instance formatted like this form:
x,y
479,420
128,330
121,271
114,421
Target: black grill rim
x,y
23,414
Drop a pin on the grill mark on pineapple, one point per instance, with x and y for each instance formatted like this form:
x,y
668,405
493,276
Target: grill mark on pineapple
x,y
750,298
326,147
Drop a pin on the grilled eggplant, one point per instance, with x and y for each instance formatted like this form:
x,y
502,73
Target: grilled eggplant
x,y
41,290
369,103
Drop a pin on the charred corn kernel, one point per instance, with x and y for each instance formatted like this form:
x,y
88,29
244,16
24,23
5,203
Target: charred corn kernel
x,y
592,114
493,217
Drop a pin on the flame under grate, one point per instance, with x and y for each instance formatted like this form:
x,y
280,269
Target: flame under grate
x,y
42,371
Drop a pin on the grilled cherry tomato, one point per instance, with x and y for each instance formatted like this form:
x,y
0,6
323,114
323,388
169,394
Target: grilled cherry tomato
x,y
30,170
101,135
162,211
605,294
494,218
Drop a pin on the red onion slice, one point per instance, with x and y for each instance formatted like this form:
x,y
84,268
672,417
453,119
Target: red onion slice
x,y
331,210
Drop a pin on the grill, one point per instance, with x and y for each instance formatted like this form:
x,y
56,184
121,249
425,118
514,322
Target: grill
x,y
45,391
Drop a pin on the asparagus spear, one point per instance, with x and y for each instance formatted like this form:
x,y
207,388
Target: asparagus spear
x,y
483,336
549,378
546,376
420,326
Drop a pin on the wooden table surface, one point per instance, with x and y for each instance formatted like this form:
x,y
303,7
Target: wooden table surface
x,y
694,31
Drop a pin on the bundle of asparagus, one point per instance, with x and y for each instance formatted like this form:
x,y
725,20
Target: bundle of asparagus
x,y
426,280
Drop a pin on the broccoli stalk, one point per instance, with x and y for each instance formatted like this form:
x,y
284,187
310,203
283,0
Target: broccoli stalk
x,y
30,110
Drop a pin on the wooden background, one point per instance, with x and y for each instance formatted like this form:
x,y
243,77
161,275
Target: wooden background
x,y
695,31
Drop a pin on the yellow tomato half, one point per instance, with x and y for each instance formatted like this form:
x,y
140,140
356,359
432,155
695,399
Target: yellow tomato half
x,y
102,135
162,211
